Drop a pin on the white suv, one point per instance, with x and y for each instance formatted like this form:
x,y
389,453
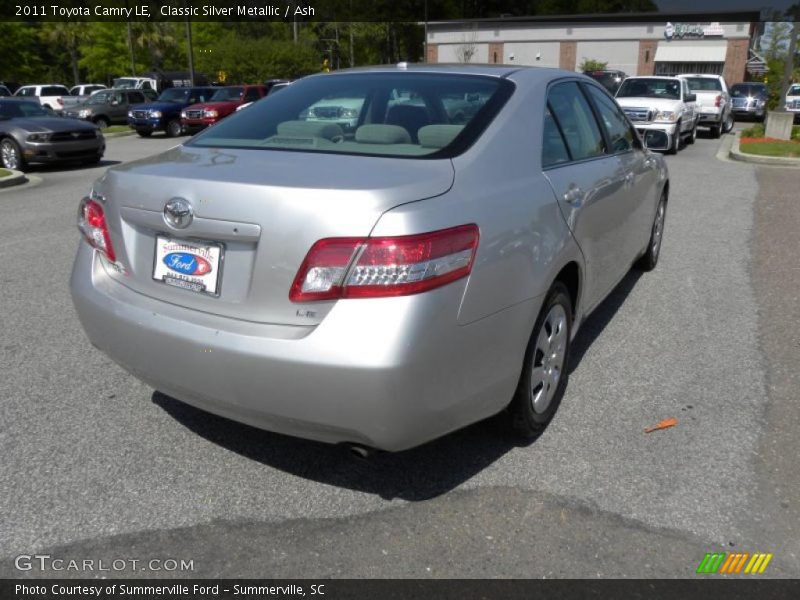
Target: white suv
x,y
792,101
49,95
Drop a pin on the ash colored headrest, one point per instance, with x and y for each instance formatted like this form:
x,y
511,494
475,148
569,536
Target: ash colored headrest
x,y
328,131
382,134
438,136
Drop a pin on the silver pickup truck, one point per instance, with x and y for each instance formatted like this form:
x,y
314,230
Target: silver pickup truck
x,y
79,94
660,104
713,102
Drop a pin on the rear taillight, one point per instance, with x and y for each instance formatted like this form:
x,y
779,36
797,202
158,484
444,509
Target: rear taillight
x,y
385,266
60,101
92,224
718,101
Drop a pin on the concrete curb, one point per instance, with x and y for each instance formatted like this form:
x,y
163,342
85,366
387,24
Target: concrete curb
x,y
16,178
119,134
737,154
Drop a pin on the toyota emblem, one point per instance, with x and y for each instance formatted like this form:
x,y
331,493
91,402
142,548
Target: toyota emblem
x,y
178,213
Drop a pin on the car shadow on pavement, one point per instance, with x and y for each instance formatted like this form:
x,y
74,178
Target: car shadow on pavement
x,y
601,316
42,168
418,474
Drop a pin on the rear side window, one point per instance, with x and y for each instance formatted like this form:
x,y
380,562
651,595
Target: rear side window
x,y
574,116
403,114
554,149
136,98
620,134
55,90
26,92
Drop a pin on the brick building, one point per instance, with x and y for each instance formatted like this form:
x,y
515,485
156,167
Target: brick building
x,y
642,44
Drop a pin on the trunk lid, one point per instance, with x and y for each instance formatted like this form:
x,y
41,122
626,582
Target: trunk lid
x,y
266,208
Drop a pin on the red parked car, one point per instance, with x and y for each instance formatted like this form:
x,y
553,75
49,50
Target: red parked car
x,y
224,101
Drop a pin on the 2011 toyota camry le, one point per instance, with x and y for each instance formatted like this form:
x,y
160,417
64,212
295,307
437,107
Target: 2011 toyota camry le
x,y
383,271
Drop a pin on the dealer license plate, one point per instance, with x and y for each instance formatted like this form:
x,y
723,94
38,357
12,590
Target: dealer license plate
x,y
193,266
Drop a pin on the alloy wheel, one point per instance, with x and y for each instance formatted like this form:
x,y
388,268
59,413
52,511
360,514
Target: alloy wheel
x,y
548,358
658,228
9,155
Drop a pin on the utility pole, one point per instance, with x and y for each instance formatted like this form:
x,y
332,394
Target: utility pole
x,y
425,57
788,66
130,45
190,50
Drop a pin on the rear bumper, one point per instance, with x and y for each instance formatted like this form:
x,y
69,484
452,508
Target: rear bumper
x,y
391,373
710,116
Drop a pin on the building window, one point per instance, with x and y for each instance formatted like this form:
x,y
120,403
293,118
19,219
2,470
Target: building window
x,y
494,60
740,27
649,29
675,68
647,55
569,30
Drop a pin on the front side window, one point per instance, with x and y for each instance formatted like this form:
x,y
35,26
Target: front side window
x,y
55,90
389,114
136,98
620,133
574,116
100,98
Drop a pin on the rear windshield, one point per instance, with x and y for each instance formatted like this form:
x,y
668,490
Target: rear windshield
x,y
794,91
386,114
704,84
650,88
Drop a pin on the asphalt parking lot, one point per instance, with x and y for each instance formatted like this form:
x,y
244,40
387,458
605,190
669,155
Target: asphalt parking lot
x,y
95,464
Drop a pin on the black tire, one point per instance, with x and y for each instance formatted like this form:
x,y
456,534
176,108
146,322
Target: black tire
x,y
716,131
676,140
144,132
92,161
525,420
11,156
649,259
174,128
101,122
692,136
728,124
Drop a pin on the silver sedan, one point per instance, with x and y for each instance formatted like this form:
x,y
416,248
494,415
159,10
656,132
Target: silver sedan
x,y
380,284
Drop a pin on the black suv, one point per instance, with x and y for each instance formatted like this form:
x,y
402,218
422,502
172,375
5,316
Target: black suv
x,y
611,80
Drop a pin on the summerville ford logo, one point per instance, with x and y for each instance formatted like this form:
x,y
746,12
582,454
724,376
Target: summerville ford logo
x,y
187,264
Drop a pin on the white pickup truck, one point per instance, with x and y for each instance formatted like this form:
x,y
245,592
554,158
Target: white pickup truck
x,y
713,102
660,104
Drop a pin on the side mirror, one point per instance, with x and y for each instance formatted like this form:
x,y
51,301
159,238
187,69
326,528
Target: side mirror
x,y
691,97
656,140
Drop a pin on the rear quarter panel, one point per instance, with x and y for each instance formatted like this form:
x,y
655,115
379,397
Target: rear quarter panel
x,y
499,185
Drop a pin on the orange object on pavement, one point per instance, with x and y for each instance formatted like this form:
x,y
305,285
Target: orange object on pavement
x,y
665,424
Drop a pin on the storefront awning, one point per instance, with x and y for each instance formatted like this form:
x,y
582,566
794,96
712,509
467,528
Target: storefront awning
x,y
690,53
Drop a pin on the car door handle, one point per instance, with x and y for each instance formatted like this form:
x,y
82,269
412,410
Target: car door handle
x,y
573,195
